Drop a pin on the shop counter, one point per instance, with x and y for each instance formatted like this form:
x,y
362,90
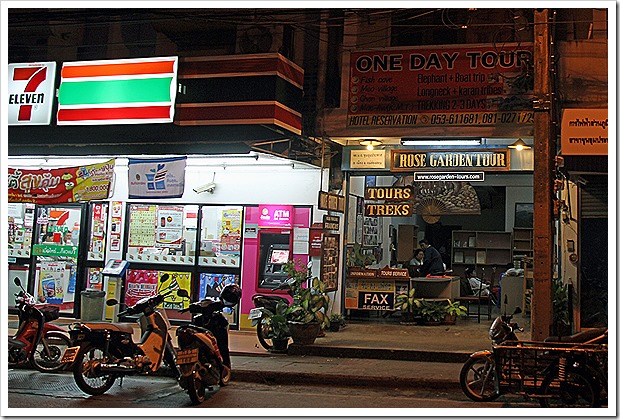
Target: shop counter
x,y
436,287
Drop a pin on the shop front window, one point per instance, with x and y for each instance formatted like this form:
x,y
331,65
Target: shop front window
x,y
21,221
98,217
162,234
56,251
220,236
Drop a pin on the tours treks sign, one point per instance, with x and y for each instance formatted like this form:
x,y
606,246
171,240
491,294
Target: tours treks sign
x,y
420,160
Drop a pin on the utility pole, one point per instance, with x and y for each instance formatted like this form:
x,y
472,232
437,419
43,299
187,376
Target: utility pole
x,y
544,155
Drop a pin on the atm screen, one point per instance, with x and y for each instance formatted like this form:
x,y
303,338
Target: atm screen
x,y
279,256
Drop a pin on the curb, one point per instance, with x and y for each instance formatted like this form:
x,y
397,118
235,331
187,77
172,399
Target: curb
x,y
384,354
301,378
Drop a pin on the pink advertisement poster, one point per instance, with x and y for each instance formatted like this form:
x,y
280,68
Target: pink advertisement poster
x,y
140,284
275,216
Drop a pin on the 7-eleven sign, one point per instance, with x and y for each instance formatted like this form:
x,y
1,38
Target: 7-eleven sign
x,y
31,93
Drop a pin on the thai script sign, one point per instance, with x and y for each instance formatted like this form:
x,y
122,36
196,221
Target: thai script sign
x,y
157,178
61,185
367,159
410,160
584,132
479,85
278,216
31,93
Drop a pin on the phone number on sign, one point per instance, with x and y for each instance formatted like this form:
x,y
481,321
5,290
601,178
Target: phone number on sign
x,y
484,118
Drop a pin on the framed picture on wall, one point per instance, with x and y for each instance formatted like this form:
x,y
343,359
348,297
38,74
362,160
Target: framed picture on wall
x,y
524,215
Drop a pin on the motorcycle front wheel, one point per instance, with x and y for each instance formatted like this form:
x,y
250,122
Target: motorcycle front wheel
x,y
86,371
578,389
477,379
263,330
49,351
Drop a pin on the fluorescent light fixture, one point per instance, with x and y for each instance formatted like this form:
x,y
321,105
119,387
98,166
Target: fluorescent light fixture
x,y
519,145
370,143
441,142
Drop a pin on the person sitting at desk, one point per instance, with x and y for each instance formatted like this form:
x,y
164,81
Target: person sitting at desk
x,y
416,263
433,264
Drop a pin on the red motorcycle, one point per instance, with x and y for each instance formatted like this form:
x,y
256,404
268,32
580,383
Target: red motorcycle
x,y
36,341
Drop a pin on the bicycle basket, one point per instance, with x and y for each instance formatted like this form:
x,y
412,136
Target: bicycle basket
x,y
50,312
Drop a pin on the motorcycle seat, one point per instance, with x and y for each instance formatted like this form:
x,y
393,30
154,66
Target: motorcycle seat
x,y
16,343
580,337
121,327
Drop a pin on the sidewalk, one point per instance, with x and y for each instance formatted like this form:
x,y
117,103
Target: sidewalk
x,y
364,353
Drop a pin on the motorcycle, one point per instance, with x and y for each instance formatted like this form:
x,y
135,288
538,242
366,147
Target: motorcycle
x,y
265,305
105,351
203,358
543,370
37,341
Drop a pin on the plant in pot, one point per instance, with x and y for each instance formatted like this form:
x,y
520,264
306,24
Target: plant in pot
x,y
308,312
336,321
406,303
275,327
357,258
453,311
561,314
432,312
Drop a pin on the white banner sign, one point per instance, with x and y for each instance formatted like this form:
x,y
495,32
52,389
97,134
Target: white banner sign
x,y
156,178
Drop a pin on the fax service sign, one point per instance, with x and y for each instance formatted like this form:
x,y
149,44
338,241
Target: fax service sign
x,y
31,93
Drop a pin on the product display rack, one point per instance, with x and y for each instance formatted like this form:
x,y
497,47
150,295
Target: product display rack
x,y
522,244
480,249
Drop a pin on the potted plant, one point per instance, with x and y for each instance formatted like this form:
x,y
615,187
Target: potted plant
x,y
275,327
406,303
432,312
307,314
453,311
336,321
561,314
357,258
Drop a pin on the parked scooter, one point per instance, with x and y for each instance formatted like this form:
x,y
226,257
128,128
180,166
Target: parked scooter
x,y
203,358
37,341
260,317
106,351
479,377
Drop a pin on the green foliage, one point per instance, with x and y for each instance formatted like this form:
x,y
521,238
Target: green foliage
x,y
405,301
561,314
455,308
356,257
275,324
310,303
434,311
336,319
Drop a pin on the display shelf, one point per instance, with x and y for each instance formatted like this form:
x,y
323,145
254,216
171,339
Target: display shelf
x,y
522,243
480,249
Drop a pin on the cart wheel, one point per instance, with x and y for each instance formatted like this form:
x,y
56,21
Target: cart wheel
x,y
477,379
579,389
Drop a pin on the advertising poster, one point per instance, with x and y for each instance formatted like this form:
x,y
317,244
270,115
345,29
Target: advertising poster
x,y
230,235
176,280
142,225
211,284
472,85
61,185
97,238
169,227
52,277
156,178
140,284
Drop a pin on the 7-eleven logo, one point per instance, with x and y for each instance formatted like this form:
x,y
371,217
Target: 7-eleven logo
x,y
31,93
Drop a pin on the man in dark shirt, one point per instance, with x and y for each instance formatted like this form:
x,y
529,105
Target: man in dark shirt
x,y
433,264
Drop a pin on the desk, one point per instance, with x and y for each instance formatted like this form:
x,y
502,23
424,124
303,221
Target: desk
x,y
436,288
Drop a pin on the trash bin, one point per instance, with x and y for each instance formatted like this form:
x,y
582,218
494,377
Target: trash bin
x,y
92,305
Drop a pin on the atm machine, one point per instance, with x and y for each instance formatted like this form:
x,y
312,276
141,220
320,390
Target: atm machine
x,y
275,251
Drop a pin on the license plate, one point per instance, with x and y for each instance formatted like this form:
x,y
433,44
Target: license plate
x,y
187,356
255,313
70,354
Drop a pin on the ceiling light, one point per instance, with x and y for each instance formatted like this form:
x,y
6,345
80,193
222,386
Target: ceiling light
x,y
441,142
519,145
370,143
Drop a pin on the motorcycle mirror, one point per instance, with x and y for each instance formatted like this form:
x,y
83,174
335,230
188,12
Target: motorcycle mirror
x,y
182,293
41,299
111,302
17,282
518,310
164,277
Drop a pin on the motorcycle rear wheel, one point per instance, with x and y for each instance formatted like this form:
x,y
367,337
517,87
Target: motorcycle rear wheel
x,y
477,379
579,389
263,330
49,351
85,372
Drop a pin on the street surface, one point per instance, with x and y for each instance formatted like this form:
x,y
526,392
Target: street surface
x,y
28,388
